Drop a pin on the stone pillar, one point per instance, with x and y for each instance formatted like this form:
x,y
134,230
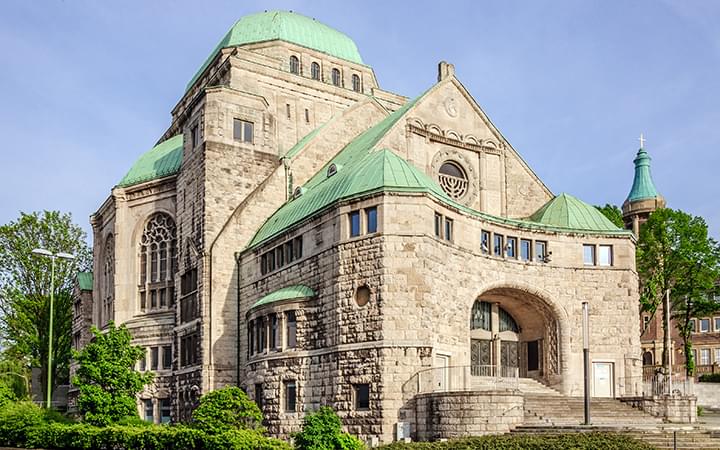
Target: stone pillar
x,y
497,346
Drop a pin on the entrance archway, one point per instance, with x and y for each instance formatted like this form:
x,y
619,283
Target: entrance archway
x,y
514,333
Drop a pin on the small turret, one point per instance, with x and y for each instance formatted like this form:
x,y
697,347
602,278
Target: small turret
x,y
643,198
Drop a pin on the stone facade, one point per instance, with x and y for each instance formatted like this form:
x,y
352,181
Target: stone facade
x,y
390,299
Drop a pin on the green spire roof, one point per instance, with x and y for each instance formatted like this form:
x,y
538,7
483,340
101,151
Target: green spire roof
x,y
566,211
160,161
643,186
289,27
85,281
286,293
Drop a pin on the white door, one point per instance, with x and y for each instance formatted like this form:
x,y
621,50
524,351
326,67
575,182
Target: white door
x,y
442,375
602,379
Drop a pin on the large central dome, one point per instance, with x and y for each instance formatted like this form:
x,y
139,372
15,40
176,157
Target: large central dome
x,y
289,27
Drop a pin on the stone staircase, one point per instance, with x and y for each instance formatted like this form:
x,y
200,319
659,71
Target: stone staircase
x,y
557,411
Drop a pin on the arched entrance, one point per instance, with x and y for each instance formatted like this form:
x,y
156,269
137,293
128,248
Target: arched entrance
x,y
513,333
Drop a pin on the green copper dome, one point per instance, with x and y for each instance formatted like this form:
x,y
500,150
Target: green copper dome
x,y
566,211
643,186
289,27
160,161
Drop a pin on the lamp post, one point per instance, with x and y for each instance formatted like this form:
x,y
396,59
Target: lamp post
x,y
586,357
53,257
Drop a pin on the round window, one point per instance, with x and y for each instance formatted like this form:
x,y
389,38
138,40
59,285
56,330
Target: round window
x,y
453,180
362,295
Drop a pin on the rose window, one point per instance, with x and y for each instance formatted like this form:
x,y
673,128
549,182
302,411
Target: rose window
x,y
453,180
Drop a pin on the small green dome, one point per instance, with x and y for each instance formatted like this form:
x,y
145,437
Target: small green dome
x,y
160,161
643,186
289,27
566,211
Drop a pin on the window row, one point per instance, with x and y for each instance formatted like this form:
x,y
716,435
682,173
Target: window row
x,y
512,247
443,227
705,356
189,350
597,255
316,74
160,358
164,409
703,325
363,221
289,395
265,334
281,255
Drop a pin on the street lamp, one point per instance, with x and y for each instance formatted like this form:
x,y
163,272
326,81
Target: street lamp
x,y
586,357
53,257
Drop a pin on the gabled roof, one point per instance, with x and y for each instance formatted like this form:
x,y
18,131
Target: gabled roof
x,y
643,186
289,27
160,161
286,293
566,211
85,281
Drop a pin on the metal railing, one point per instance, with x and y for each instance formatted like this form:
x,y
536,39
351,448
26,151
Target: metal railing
x,y
463,378
657,384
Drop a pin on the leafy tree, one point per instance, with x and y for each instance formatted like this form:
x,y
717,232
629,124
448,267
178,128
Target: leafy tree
x,y
676,254
25,289
613,213
322,430
226,409
106,378
15,376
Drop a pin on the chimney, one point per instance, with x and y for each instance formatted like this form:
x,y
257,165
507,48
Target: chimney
x,y
445,70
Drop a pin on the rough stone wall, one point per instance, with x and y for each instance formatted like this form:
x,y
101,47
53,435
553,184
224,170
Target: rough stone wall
x,y
449,415
81,335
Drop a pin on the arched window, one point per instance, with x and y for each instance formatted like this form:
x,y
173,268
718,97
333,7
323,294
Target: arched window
x,y
336,77
647,359
356,83
480,316
453,180
108,280
294,65
507,323
158,261
315,71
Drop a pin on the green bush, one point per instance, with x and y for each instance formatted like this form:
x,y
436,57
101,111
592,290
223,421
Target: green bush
x,y
322,430
7,395
15,421
226,409
710,378
574,441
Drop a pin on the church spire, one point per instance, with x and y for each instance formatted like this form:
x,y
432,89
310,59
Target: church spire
x,y
643,198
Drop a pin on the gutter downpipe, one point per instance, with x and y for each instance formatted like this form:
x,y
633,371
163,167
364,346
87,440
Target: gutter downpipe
x,y
239,315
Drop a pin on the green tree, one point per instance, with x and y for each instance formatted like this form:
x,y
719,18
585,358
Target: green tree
x,y
322,430
25,289
676,254
613,213
106,376
226,409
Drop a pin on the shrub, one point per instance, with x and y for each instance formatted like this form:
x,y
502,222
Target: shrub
x,y
710,378
7,395
227,409
16,419
322,430
574,441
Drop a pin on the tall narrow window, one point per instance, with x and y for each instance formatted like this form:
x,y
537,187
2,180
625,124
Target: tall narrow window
x,y
605,256
356,83
498,244
589,255
485,242
188,296
149,413
154,358
511,247
243,130
362,397
354,223
157,250
109,280
290,329
525,247
294,65
274,332
315,71
287,110
165,410
298,247
541,251
448,229
307,115
195,136
259,395
371,219
167,357
336,77
290,395
438,225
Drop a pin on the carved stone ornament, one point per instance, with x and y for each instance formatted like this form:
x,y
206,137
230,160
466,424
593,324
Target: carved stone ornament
x,y
451,107
455,175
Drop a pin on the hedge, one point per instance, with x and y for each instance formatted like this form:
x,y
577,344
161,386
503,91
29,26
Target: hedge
x,y
575,441
710,378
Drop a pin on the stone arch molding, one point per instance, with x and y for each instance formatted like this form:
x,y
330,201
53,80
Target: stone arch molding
x,y
462,160
560,317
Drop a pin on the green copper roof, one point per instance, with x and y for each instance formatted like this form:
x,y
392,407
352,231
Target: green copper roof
x,y
287,293
566,211
643,186
160,161
85,281
303,142
289,27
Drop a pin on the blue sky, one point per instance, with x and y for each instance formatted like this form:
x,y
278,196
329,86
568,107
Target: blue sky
x,y
87,86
